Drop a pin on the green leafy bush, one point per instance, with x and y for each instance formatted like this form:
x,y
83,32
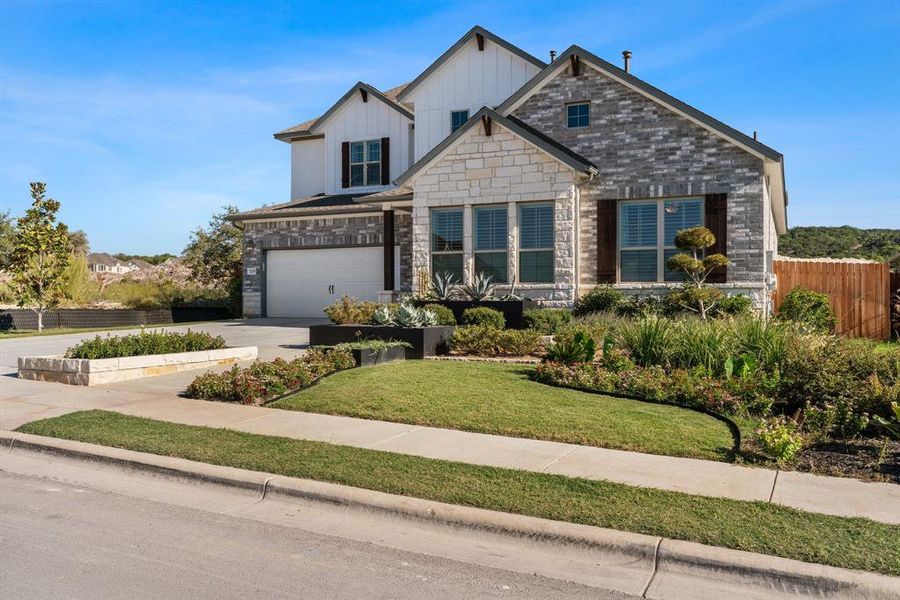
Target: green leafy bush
x,y
486,340
264,380
580,348
444,315
602,298
483,315
351,311
780,438
734,306
145,343
597,325
548,321
810,308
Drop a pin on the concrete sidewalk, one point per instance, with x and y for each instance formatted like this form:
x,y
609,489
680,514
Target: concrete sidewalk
x,y
829,495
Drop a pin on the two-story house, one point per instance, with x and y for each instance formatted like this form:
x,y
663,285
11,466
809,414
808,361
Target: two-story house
x,y
551,178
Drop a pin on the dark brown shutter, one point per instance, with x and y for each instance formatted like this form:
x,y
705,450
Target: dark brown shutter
x,y
717,221
385,161
606,241
345,164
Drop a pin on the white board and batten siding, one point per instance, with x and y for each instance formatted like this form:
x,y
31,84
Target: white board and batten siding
x,y
301,283
468,80
358,121
307,167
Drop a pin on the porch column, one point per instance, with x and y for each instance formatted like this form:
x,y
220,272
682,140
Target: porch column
x,y
388,216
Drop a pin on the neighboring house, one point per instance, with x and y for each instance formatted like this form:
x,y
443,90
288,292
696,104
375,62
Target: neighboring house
x,y
550,177
100,262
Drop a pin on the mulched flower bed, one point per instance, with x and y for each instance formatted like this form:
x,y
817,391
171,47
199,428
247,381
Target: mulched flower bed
x,y
869,460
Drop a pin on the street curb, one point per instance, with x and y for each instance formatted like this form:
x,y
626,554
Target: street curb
x,y
676,569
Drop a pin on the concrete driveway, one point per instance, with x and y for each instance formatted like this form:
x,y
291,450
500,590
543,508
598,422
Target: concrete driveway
x,y
22,400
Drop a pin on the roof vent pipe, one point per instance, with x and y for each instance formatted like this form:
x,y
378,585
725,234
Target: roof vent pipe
x,y
755,137
552,55
626,54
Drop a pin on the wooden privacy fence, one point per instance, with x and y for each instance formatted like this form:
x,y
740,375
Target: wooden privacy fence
x,y
860,292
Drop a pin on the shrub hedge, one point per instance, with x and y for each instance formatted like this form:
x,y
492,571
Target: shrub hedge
x,y
810,308
264,380
486,340
145,343
548,321
444,315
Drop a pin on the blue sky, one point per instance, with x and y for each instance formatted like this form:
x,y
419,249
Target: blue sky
x,y
144,118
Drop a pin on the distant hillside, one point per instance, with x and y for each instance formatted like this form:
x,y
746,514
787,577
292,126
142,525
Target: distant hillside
x,y
840,242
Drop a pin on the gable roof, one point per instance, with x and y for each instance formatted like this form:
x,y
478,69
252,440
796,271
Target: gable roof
x,y
307,128
102,258
517,127
459,44
772,159
538,81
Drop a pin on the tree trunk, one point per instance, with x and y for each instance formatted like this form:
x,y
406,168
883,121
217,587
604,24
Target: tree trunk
x,y
40,316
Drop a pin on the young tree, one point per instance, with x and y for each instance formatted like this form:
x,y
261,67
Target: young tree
x,y
214,254
7,239
78,243
40,255
697,296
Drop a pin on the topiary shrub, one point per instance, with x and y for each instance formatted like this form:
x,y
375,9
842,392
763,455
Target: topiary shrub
x,y
548,321
603,298
444,315
810,308
482,315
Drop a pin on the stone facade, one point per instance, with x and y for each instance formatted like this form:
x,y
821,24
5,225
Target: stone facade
x,y
318,232
499,169
644,150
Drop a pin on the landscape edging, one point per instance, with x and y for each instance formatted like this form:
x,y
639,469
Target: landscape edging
x,y
669,558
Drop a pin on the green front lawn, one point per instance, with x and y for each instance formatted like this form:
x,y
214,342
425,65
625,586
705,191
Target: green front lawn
x,y
500,399
752,526
20,333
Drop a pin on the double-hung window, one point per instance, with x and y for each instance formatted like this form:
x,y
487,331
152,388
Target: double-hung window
x,y
365,163
490,242
578,115
647,232
536,243
458,119
447,243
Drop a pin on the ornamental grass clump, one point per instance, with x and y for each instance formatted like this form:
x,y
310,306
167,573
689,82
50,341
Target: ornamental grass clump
x,y
145,343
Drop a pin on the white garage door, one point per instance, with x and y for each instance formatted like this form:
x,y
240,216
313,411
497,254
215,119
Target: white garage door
x,y
301,283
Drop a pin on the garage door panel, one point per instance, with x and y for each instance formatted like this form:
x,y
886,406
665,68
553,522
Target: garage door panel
x,y
298,281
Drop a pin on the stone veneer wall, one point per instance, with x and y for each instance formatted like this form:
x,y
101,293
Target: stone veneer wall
x,y
318,232
499,169
644,150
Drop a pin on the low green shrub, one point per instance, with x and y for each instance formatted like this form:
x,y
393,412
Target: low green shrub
x,y
780,438
548,321
145,343
444,315
602,298
351,311
486,340
483,315
597,325
264,380
580,348
737,305
377,345
810,308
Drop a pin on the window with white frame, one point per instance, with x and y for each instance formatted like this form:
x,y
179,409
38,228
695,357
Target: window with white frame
x,y
365,163
536,243
647,230
458,119
447,243
490,227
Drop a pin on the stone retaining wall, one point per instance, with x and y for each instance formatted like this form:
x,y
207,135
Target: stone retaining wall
x,y
83,371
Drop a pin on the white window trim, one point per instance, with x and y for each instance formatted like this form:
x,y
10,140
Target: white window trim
x,y
365,163
520,250
660,235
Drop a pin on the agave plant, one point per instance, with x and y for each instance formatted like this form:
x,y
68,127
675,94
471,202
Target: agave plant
x,y
512,295
383,316
429,319
408,316
442,286
481,287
